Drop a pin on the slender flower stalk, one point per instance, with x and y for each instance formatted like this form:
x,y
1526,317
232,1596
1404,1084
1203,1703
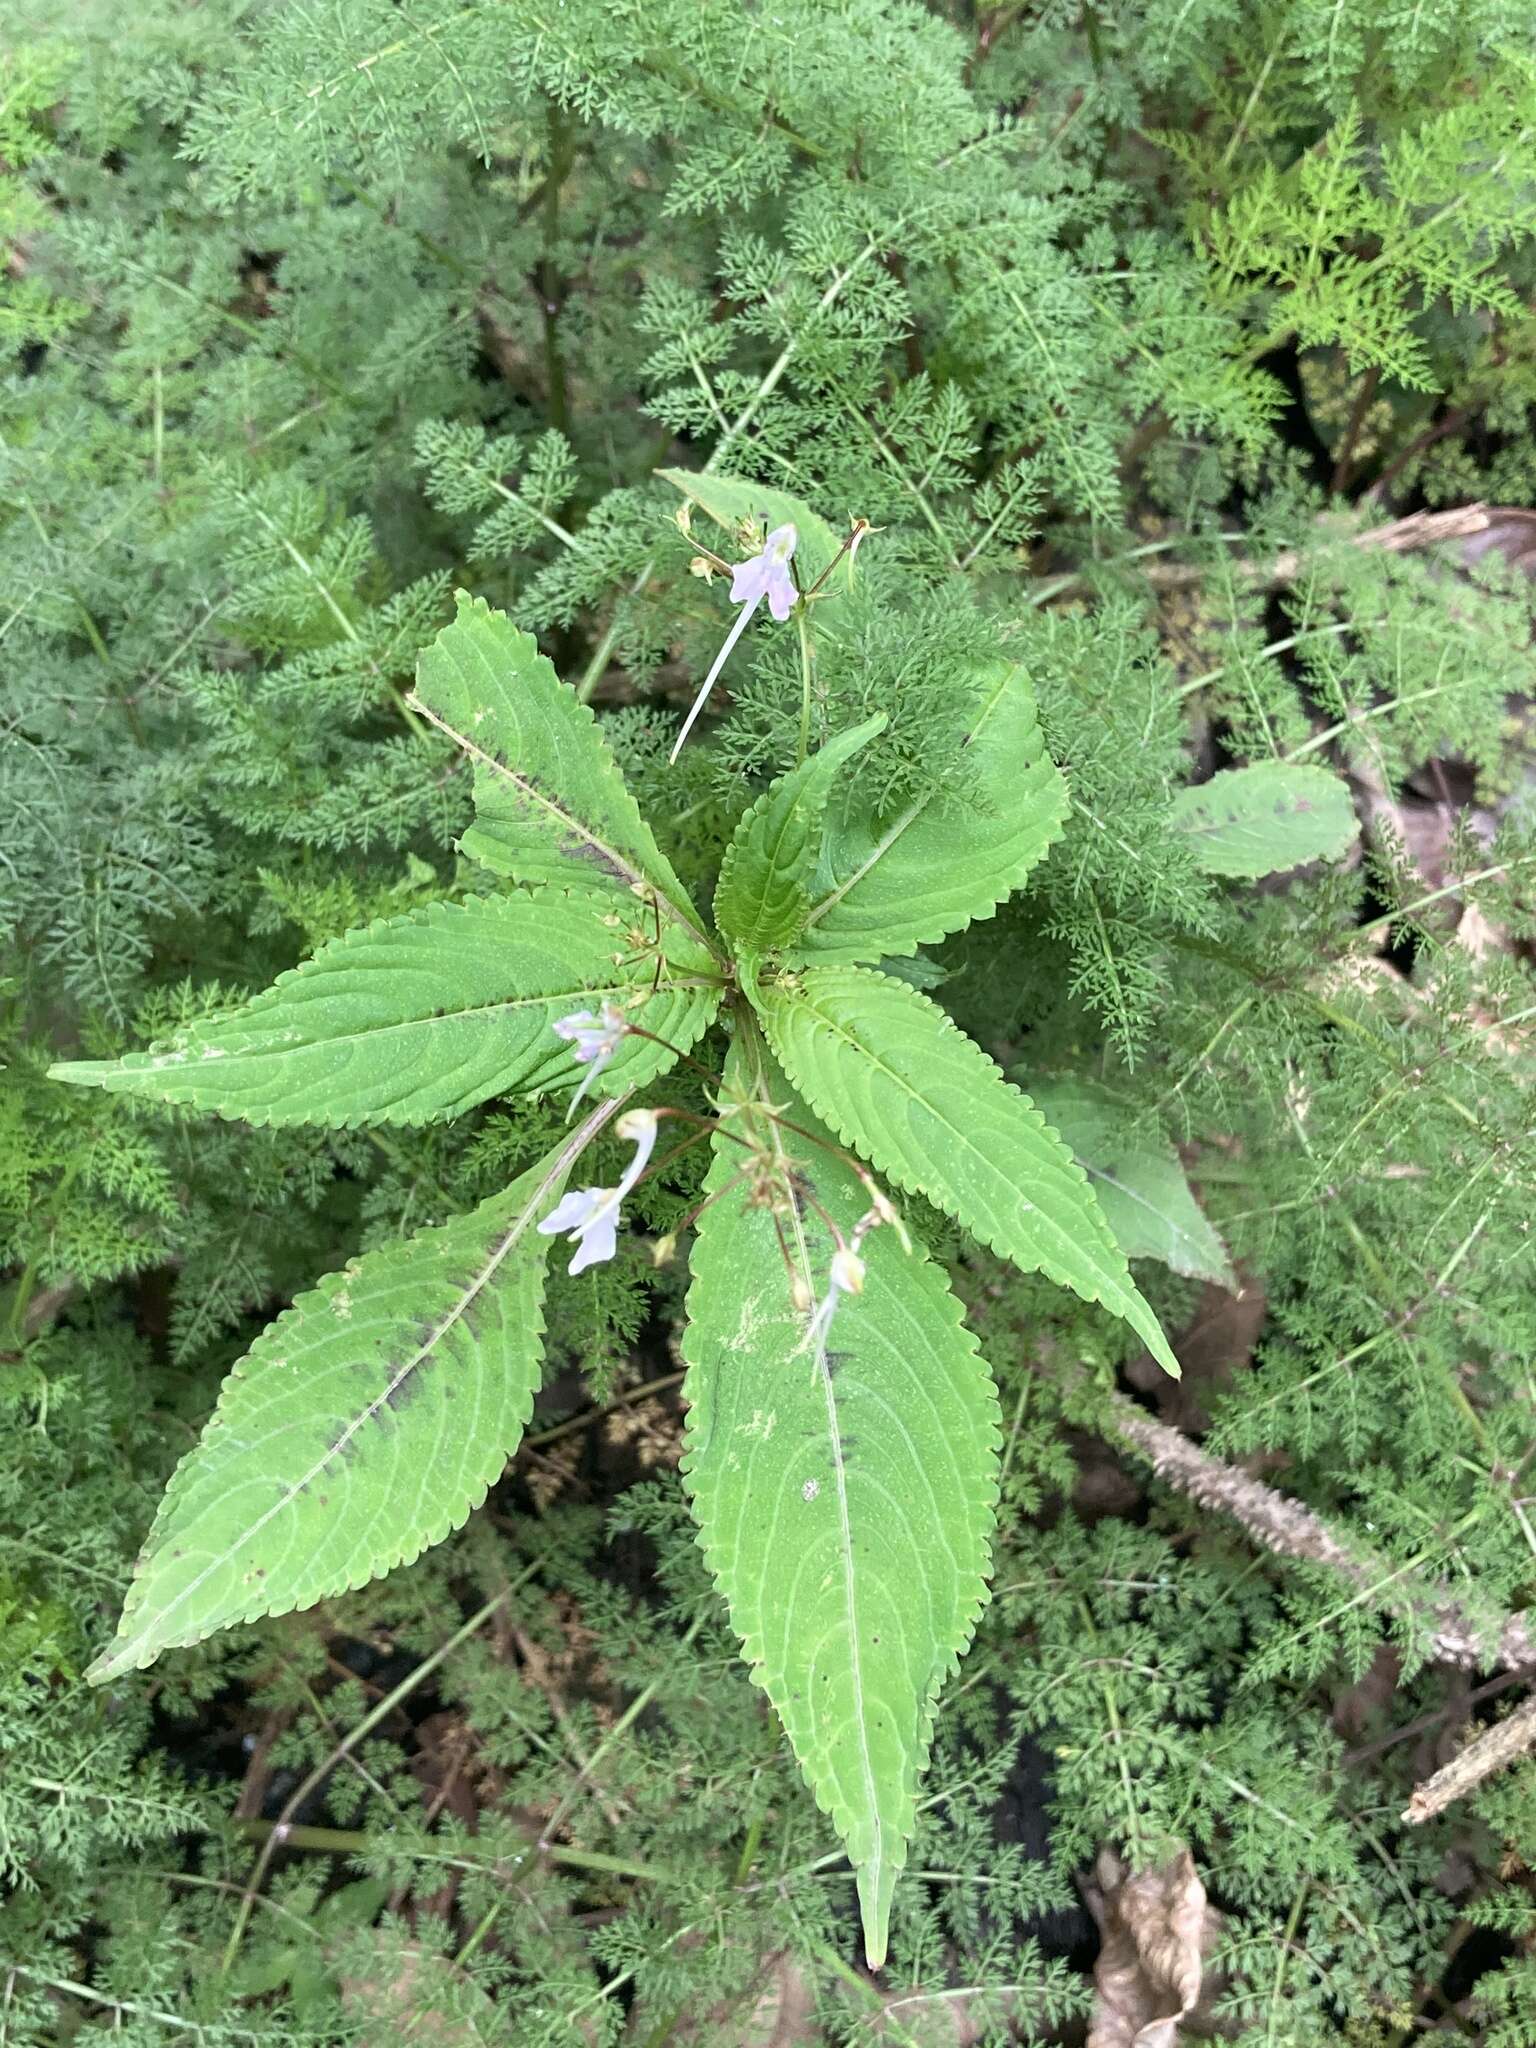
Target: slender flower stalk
x,y
765,575
857,534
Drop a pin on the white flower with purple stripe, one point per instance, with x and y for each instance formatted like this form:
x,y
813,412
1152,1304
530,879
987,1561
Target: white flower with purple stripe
x,y
595,1039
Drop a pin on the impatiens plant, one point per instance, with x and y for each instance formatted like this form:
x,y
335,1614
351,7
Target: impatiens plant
x,y
843,1443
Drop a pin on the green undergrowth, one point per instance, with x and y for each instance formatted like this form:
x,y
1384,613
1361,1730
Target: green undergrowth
x,y
1164,351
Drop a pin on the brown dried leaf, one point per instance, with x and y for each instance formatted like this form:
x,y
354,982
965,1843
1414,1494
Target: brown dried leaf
x,y
1479,935
1156,1927
445,1743
935,2019
1365,1704
651,1429
784,2014
549,1473
1102,1487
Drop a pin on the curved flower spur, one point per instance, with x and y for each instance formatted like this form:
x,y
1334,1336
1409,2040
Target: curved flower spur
x,y
772,574
589,1218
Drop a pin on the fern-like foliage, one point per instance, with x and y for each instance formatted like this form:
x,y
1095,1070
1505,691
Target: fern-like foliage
x,y
1136,340
1432,219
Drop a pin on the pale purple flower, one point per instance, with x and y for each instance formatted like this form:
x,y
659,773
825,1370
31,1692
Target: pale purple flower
x,y
847,1277
766,575
590,1216
596,1040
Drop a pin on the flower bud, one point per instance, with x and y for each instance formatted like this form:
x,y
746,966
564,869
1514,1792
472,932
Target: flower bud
x,y
847,1271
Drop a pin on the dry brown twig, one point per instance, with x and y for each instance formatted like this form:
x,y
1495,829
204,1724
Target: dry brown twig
x,y
1289,1529
1396,536
1491,1751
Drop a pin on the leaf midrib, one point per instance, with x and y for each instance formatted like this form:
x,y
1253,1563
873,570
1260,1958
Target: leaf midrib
x,y
1112,1179
452,1317
1181,1234
374,1032
902,824
775,873
525,786
845,1530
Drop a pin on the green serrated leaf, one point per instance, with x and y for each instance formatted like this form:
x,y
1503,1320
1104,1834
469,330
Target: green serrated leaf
x,y
418,1018
888,886
361,1427
1261,820
762,899
1142,1188
550,802
732,502
923,1103
845,1496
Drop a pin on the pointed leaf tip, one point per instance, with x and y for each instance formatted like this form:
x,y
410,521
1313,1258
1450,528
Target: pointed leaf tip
x,y
763,894
901,1083
886,885
845,1493
550,802
419,1017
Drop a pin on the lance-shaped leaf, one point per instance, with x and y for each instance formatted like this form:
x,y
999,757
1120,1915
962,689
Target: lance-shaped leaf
x,y
550,802
733,503
922,1102
761,900
845,1493
1264,819
419,1017
361,1427
886,886
1142,1188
